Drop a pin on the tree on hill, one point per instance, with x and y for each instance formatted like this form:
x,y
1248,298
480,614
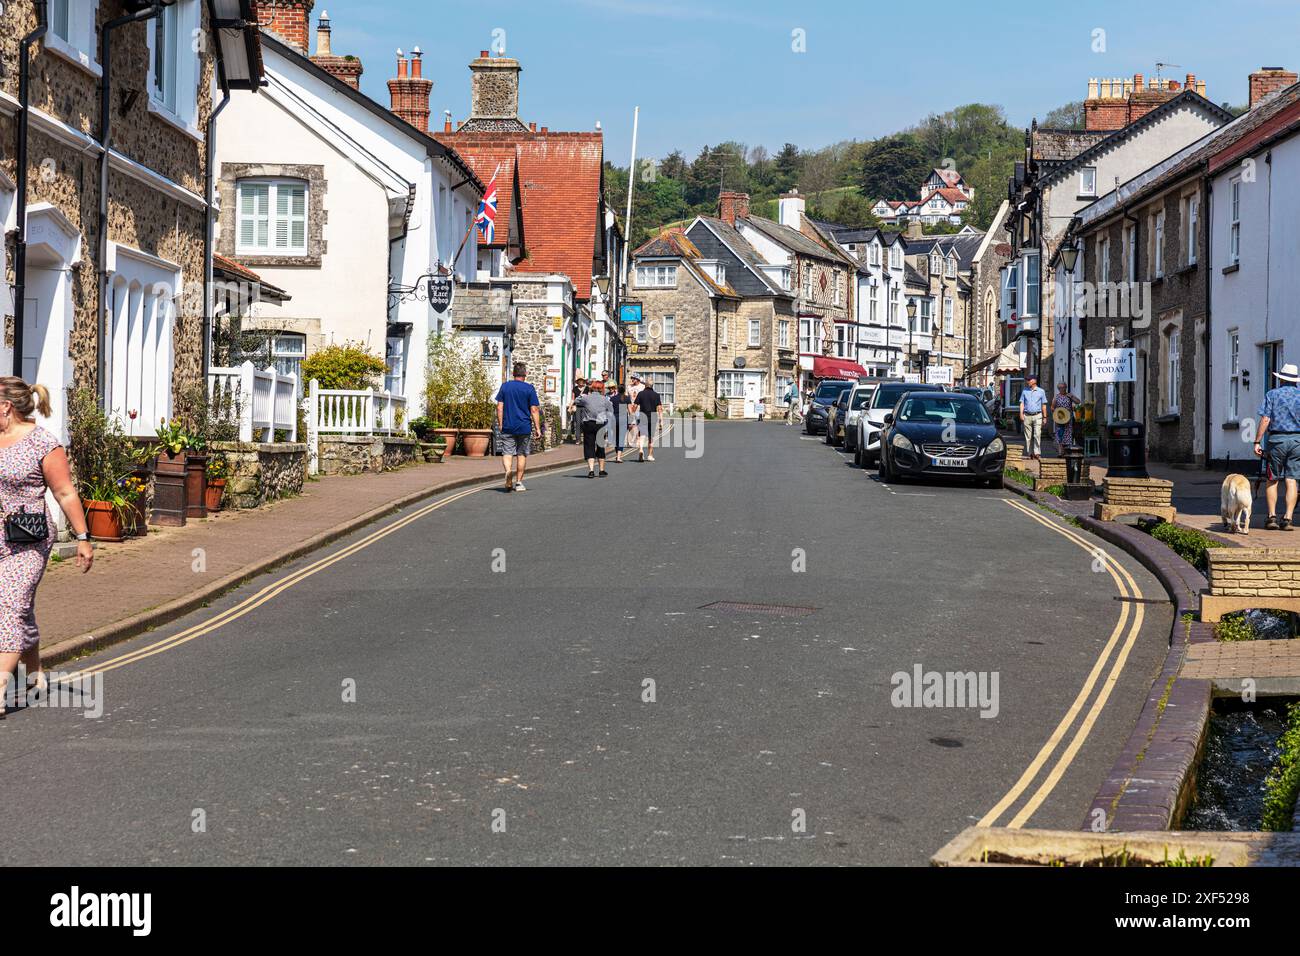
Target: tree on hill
x,y
845,209
893,168
1066,116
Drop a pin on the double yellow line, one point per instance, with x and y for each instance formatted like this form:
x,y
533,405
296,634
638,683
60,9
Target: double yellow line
x,y
1128,629
267,593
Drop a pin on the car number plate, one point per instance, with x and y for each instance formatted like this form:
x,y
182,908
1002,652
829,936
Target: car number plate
x,y
950,462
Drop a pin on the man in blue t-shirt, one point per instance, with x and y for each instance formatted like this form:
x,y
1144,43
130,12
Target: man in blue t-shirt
x,y
517,419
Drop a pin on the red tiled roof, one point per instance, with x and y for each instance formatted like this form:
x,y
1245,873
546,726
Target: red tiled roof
x,y
953,196
949,176
235,268
560,184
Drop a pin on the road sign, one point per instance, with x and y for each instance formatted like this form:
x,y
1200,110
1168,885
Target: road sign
x,y
442,290
1111,365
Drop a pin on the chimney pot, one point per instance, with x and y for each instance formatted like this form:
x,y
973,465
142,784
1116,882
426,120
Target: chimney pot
x,y
482,54
532,127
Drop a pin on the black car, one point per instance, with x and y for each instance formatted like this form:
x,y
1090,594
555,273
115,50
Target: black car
x,y
828,391
942,435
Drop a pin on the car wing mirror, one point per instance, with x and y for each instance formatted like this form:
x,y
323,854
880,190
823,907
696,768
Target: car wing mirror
x,y
889,418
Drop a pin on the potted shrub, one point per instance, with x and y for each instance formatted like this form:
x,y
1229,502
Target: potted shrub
x,y
478,411
169,475
445,380
137,518
218,470
100,453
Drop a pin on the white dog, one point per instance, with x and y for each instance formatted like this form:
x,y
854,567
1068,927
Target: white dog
x,y
1236,503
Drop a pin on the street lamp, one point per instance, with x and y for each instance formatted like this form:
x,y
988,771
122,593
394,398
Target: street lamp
x,y
911,319
1070,258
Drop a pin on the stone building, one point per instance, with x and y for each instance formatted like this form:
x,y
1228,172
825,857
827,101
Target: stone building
x,y
988,334
552,222
108,285
688,311
942,328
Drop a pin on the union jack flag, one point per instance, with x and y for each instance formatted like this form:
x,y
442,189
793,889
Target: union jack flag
x,y
486,220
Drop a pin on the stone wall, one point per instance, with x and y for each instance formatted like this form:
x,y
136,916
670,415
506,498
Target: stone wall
x,y
262,472
357,454
140,216
1258,572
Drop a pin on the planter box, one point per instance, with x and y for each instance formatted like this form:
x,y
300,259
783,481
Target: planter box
x,y
1000,846
169,491
196,484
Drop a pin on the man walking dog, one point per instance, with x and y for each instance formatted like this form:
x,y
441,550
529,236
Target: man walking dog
x,y
1279,438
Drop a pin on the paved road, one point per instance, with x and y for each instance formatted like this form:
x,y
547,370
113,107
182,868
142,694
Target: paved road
x,y
516,696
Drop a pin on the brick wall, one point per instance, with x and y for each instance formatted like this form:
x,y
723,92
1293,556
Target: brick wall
x,y
1249,572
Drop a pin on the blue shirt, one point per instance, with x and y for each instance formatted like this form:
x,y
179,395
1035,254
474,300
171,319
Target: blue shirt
x,y
1282,406
1033,400
518,398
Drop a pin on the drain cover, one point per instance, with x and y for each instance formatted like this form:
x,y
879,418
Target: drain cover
x,y
780,610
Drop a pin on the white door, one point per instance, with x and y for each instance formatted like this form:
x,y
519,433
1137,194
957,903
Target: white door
x,y
753,391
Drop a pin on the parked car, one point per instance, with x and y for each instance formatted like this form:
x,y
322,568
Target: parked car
x,y
850,408
828,391
866,447
948,435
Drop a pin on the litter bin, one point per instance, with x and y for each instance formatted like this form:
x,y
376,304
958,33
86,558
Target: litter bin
x,y
1126,450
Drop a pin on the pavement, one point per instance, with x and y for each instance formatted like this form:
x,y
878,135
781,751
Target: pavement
x,y
547,677
143,582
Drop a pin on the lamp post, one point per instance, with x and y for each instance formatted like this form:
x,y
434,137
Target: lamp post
x,y
911,319
1069,259
603,284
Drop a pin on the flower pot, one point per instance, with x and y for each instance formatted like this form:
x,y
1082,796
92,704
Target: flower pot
x,y
196,483
102,521
432,452
212,494
447,435
476,441
169,490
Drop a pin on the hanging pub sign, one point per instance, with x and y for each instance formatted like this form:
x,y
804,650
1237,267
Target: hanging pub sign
x,y
630,312
1111,365
442,290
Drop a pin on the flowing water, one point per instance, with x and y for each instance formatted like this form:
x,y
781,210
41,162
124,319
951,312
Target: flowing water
x,y
1240,748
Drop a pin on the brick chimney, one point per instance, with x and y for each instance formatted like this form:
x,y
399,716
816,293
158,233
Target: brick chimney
x,y
914,229
290,20
732,205
346,68
494,94
410,93
1266,81
1113,103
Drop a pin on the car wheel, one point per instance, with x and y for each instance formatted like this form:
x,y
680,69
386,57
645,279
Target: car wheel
x,y
882,467
857,457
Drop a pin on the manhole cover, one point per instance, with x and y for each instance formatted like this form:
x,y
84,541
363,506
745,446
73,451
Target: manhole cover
x,y
781,610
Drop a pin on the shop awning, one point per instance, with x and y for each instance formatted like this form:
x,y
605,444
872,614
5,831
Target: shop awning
x,y
827,367
1009,360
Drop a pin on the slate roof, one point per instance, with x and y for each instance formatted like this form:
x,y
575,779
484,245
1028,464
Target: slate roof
x,y
560,183
913,278
757,281
792,239
1186,98
675,244
1191,157
966,245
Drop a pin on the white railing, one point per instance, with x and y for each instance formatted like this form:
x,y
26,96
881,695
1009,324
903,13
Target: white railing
x,y
334,411
265,401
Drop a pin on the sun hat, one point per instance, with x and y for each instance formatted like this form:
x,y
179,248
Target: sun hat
x,y
1289,373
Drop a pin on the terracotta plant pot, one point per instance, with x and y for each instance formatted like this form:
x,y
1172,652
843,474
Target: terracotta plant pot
x,y
169,490
196,483
476,441
447,435
102,521
216,488
432,452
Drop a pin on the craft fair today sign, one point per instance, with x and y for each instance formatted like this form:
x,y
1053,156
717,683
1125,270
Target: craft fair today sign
x,y
1111,365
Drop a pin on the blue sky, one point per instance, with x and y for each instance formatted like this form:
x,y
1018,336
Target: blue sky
x,y
705,71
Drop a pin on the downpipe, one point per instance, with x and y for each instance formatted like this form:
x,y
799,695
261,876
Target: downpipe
x,y
105,129
20,244
209,294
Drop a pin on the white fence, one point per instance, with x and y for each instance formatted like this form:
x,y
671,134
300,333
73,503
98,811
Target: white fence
x,y
265,401
334,411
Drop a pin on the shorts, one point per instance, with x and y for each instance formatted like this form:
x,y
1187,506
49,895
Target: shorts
x,y
1284,456
516,444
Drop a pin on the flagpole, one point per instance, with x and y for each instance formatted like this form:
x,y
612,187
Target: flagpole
x,y
472,223
631,183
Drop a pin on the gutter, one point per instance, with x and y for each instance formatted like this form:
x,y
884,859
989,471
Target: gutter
x,y
105,129
20,245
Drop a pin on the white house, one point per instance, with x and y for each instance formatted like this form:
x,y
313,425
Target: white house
x,y
1254,230
349,204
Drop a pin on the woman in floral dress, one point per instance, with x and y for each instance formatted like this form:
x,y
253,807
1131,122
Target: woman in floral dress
x,y
1064,433
31,460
